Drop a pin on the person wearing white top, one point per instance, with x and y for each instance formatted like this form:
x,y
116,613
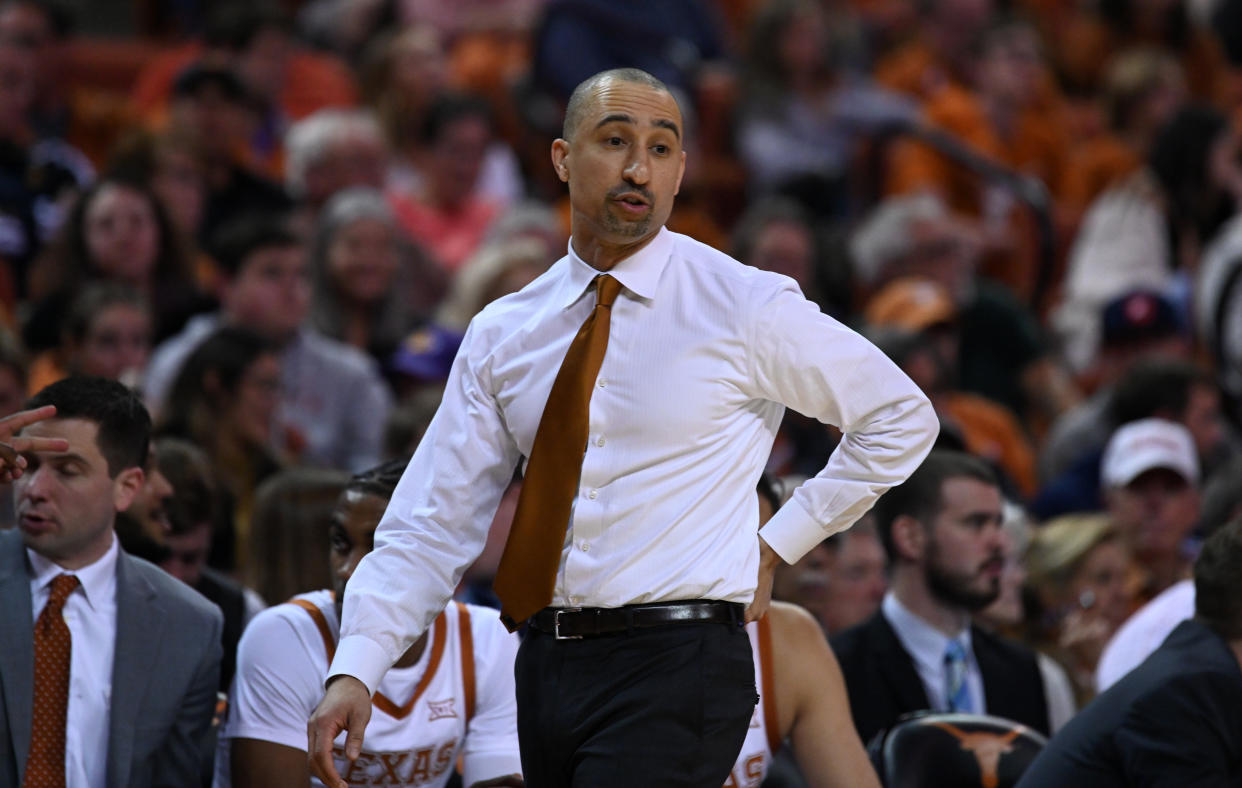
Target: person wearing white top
x,y
703,356
449,698
143,649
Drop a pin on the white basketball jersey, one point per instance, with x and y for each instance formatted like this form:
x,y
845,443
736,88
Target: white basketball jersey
x,y
417,725
763,738
420,715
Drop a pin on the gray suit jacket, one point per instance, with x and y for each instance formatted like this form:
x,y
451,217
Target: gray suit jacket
x,y
164,675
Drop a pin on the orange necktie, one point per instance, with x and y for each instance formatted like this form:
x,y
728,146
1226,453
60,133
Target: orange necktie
x,y
45,768
526,576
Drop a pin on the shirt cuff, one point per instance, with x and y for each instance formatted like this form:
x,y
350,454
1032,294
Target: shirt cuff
x,y
362,658
791,532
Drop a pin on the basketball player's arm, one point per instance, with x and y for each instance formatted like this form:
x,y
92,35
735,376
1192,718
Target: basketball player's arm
x,y
264,764
276,684
813,705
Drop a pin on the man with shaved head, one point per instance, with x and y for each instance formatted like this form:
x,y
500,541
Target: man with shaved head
x,y
640,383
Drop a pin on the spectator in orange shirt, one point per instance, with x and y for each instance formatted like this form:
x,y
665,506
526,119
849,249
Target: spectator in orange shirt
x,y
287,82
63,108
1003,117
940,54
1142,90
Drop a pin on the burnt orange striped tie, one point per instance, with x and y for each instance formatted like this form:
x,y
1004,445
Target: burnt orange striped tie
x,y
526,576
45,768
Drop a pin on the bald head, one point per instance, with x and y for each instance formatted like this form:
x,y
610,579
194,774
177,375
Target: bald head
x,y
582,96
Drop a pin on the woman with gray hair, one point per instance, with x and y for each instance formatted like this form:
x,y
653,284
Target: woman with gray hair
x,y
362,267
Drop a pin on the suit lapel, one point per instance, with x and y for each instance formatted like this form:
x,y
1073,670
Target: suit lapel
x,y
139,625
995,692
16,633
897,667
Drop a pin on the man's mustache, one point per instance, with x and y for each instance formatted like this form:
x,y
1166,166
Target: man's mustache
x,y
641,191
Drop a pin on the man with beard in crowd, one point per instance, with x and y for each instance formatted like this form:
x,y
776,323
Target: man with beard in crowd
x,y
942,531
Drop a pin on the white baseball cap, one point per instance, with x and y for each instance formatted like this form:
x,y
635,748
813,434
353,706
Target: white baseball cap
x,y
1143,445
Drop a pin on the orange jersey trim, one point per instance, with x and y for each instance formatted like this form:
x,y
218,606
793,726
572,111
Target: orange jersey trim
x,y
380,701
467,657
768,685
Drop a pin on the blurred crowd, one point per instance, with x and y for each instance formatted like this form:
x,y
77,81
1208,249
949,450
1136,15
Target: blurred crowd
x,y
275,221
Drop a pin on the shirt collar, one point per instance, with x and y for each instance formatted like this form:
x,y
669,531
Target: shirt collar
x,y
924,642
639,273
96,579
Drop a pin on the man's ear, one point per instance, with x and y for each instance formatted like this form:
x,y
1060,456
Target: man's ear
x,y
560,159
126,486
909,538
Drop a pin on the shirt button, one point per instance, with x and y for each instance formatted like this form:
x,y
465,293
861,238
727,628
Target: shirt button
x,y
593,494
603,383
573,600
584,547
600,442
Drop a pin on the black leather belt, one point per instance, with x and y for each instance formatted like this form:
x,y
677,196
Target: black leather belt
x,y
575,623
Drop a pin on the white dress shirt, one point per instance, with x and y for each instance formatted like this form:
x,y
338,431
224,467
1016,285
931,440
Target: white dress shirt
x,y
90,612
704,354
926,646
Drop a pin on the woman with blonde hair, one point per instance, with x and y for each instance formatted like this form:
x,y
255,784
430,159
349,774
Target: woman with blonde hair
x,y
289,534
1079,576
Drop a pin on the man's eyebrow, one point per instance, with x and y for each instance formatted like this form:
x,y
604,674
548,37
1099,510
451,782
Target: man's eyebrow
x,y
621,117
670,125
616,117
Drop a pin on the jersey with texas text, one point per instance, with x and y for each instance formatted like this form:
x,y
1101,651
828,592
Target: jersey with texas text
x,y
456,701
763,738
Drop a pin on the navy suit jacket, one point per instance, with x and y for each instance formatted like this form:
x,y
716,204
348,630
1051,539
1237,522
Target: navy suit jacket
x,y
1175,720
884,684
164,674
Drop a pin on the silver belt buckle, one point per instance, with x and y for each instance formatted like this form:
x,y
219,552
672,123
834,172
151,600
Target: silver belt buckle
x,y
556,623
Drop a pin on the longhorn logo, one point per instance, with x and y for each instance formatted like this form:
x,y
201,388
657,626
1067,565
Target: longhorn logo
x,y
986,747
